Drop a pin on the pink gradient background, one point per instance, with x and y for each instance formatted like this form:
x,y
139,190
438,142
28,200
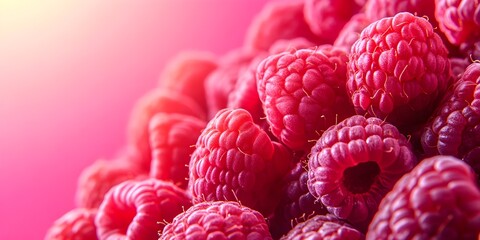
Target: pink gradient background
x,y
70,72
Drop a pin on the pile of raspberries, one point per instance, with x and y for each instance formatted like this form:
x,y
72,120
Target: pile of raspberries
x,y
337,119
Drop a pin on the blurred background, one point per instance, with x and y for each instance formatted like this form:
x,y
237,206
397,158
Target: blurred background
x,y
70,72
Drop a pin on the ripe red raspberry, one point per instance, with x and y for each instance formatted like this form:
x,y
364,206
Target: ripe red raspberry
x,y
236,160
217,220
279,20
438,199
327,17
155,101
324,227
297,204
95,180
186,73
397,70
245,94
289,45
172,137
221,82
454,129
303,93
459,20
351,31
354,164
136,209
78,223
378,9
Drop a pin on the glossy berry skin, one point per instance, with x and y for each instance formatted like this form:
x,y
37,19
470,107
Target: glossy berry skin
x,y
172,137
354,164
324,227
136,209
217,220
351,31
438,199
76,224
303,93
454,129
398,69
378,9
235,160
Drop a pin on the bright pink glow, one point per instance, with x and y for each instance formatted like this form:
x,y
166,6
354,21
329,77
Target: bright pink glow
x,y
70,71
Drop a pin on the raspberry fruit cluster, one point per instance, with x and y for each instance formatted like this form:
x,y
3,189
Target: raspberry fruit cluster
x,y
351,119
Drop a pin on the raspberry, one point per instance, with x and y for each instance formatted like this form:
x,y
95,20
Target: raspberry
x,y
323,227
171,139
458,20
186,73
279,20
354,164
235,160
136,209
75,224
155,101
245,94
217,220
303,93
458,65
297,204
288,45
95,180
398,68
438,199
454,129
327,17
221,82
351,31
378,9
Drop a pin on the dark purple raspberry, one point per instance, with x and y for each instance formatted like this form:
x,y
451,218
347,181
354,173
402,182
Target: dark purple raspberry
x,y
279,20
78,223
186,73
459,20
438,199
303,93
217,220
153,102
95,180
171,139
454,129
297,204
221,82
327,17
324,227
135,210
398,68
354,164
235,160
